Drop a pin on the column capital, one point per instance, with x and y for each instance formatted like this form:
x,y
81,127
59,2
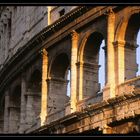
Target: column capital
x,y
119,43
109,12
122,43
74,35
80,63
44,52
4,19
55,79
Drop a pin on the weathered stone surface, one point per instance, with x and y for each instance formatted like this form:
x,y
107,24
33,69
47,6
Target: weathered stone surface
x,y
39,45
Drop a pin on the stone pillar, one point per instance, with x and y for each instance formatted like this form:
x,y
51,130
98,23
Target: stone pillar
x,y
80,77
23,105
73,83
131,66
6,112
119,61
44,90
110,56
14,116
57,97
49,15
33,107
125,60
30,113
87,85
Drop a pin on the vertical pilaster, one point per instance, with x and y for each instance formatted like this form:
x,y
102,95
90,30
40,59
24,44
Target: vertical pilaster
x,y
23,105
80,74
6,112
110,55
73,83
120,61
30,113
131,66
44,90
49,15
14,116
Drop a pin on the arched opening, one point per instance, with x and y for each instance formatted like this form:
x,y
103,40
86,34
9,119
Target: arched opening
x,y
58,83
93,73
14,110
33,98
138,53
35,81
131,34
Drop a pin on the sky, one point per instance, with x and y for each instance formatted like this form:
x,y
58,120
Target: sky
x,y
102,61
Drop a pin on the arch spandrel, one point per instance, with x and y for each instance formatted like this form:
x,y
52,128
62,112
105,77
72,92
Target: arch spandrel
x,y
123,24
83,42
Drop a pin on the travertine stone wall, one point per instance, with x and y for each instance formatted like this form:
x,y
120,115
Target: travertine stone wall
x,y
130,62
91,85
32,95
33,107
55,11
18,24
37,92
57,95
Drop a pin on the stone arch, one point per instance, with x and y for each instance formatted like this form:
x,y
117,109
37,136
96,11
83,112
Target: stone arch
x,y
63,51
132,28
88,57
33,97
131,66
14,109
123,24
128,34
81,46
57,82
61,67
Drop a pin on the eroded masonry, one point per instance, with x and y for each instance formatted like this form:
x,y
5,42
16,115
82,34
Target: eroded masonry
x,y
41,46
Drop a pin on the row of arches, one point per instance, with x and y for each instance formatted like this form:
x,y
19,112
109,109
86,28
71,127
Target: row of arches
x,y
11,108
101,58
92,59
